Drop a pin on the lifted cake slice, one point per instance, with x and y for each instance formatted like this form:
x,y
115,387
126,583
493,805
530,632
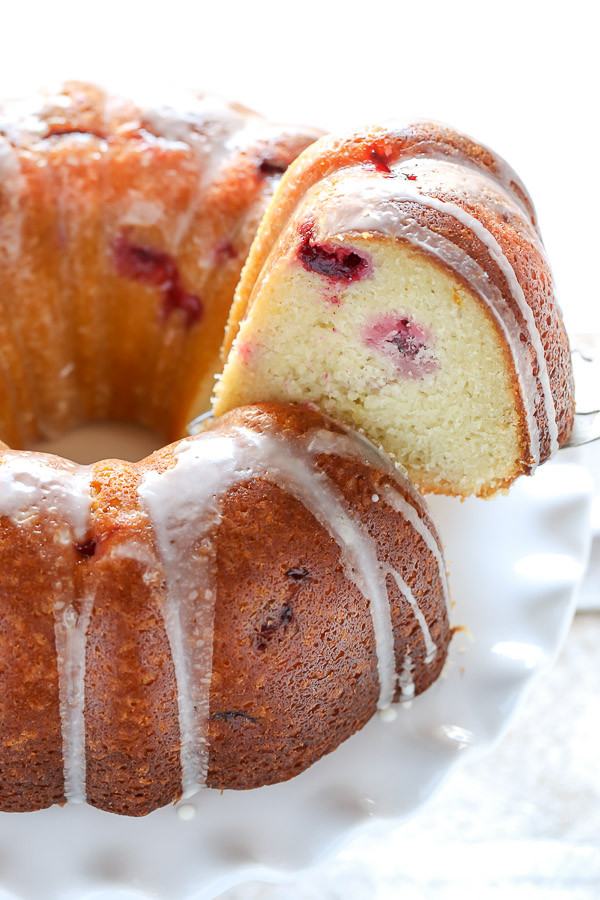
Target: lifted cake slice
x,y
399,282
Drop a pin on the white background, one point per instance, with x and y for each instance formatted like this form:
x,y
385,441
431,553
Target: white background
x,y
521,77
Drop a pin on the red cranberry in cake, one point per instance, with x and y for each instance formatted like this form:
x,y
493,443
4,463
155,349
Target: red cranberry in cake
x,y
341,264
246,349
189,304
233,715
298,574
408,344
224,251
272,624
144,264
157,269
87,549
380,156
268,167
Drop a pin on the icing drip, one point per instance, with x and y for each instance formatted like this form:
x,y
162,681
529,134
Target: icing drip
x,y
353,443
294,470
71,635
206,125
406,680
504,175
322,441
34,485
184,507
184,504
372,203
204,121
397,502
11,187
430,646
21,121
214,132
144,213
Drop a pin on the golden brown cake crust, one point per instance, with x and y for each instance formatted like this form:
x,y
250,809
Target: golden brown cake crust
x,y
277,634
31,765
294,668
132,729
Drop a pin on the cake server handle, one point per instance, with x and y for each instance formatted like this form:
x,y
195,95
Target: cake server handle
x,y
199,423
586,428
586,366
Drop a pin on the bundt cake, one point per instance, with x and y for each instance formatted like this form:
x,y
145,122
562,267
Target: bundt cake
x,y
224,612
229,609
123,231
399,281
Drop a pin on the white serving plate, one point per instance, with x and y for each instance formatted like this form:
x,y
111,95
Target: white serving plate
x,y
514,562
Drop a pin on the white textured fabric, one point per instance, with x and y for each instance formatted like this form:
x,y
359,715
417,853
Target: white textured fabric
x,y
522,822
589,594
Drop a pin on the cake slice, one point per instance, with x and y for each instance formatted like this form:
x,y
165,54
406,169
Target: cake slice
x,y
399,282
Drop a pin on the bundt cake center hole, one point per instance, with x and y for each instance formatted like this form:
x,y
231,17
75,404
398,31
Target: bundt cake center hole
x,y
95,441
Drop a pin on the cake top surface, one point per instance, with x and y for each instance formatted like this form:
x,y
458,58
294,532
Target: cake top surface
x,y
213,128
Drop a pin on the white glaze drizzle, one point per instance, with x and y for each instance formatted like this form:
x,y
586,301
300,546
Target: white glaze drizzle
x,y
430,646
215,131
371,203
406,680
397,502
338,444
30,486
21,121
203,124
135,551
11,186
437,148
503,177
294,470
144,213
184,505
71,638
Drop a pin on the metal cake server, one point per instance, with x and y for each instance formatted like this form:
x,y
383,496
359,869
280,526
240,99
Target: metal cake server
x,y
199,423
586,366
